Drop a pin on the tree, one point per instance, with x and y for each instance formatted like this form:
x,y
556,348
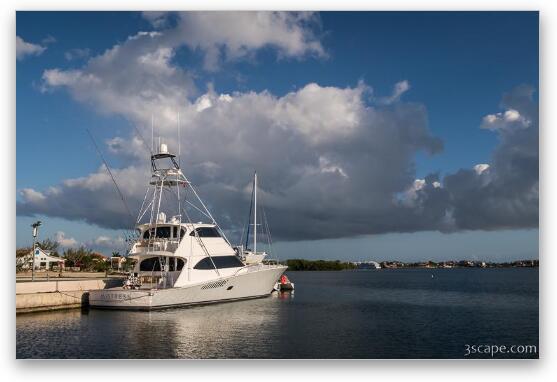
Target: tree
x,y
49,245
21,255
77,257
129,264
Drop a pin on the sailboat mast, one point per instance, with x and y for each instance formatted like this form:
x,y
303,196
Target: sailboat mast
x,y
255,213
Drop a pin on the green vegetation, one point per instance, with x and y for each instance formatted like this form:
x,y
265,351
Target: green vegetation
x,y
82,257
318,265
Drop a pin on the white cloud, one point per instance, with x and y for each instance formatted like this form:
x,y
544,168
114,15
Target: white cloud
x,y
135,79
312,146
323,152
64,241
399,89
236,35
32,195
302,111
509,119
480,168
109,242
24,48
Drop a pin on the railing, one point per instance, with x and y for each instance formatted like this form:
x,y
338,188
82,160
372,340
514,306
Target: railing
x,y
254,268
157,245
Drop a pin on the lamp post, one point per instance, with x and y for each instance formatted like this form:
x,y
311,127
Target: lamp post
x,y
35,226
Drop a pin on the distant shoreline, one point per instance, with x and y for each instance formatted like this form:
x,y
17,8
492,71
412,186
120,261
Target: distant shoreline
x,y
337,265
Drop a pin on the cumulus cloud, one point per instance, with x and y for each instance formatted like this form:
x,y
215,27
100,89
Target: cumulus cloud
x,y
332,163
135,79
313,148
65,242
107,243
509,119
24,48
235,35
504,193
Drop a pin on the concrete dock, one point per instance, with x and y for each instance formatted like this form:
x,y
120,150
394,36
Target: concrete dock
x,y
58,294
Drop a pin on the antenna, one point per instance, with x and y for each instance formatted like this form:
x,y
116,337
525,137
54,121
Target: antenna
x,y
179,143
152,134
255,212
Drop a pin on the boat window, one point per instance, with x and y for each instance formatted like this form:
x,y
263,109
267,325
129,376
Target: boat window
x,y
180,265
206,232
162,232
182,233
220,262
150,264
175,234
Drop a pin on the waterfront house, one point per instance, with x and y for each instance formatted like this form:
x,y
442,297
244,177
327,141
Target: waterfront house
x,y
44,259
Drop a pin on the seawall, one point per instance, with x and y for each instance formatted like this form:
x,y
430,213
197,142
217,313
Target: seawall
x,y
59,294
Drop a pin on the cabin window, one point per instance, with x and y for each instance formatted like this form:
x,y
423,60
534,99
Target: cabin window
x,y
180,264
149,265
162,233
175,232
153,264
206,232
220,262
175,264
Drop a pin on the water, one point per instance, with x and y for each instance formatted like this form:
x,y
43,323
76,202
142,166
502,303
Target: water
x,y
404,313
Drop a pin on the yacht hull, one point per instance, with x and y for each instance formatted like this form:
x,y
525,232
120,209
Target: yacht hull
x,y
246,285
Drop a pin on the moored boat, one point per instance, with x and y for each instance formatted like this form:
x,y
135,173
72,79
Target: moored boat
x,y
179,262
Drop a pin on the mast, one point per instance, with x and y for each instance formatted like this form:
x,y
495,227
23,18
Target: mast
x,y
255,213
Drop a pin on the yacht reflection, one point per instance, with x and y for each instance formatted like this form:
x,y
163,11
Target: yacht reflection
x,y
239,330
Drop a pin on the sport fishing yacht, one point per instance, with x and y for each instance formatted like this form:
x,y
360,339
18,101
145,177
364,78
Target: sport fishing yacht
x,y
179,262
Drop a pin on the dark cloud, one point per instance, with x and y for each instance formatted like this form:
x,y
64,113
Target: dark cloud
x,y
506,194
332,163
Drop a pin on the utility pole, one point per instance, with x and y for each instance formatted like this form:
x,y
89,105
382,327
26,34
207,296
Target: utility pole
x,y
35,226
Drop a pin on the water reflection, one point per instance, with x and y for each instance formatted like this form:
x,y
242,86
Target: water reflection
x,y
331,315
229,330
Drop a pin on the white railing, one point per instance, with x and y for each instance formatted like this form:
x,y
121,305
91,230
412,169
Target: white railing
x,y
156,245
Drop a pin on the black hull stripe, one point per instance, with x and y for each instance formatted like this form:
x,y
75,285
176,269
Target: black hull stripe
x,y
169,306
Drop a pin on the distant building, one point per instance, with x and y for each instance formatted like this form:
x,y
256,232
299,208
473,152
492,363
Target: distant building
x,y
117,262
44,259
367,265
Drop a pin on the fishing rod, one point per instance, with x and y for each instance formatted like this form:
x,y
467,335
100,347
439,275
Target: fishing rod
x,y
111,175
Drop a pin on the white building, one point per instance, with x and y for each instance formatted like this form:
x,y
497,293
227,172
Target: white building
x,y
117,262
43,260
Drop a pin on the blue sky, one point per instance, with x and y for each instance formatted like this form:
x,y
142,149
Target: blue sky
x,y
458,66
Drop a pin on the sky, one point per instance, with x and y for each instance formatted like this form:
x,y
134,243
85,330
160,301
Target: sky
x,y
379,135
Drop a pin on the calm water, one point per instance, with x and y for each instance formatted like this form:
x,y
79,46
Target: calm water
x,y
352,314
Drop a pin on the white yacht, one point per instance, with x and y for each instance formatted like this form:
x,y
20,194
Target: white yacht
x,y
180,262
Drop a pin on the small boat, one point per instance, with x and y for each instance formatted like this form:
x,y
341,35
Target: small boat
x,y
284,284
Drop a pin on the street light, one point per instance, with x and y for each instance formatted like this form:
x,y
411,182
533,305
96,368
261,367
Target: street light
x,y
35,226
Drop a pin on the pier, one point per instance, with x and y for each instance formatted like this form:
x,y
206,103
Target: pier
x,y
58,293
